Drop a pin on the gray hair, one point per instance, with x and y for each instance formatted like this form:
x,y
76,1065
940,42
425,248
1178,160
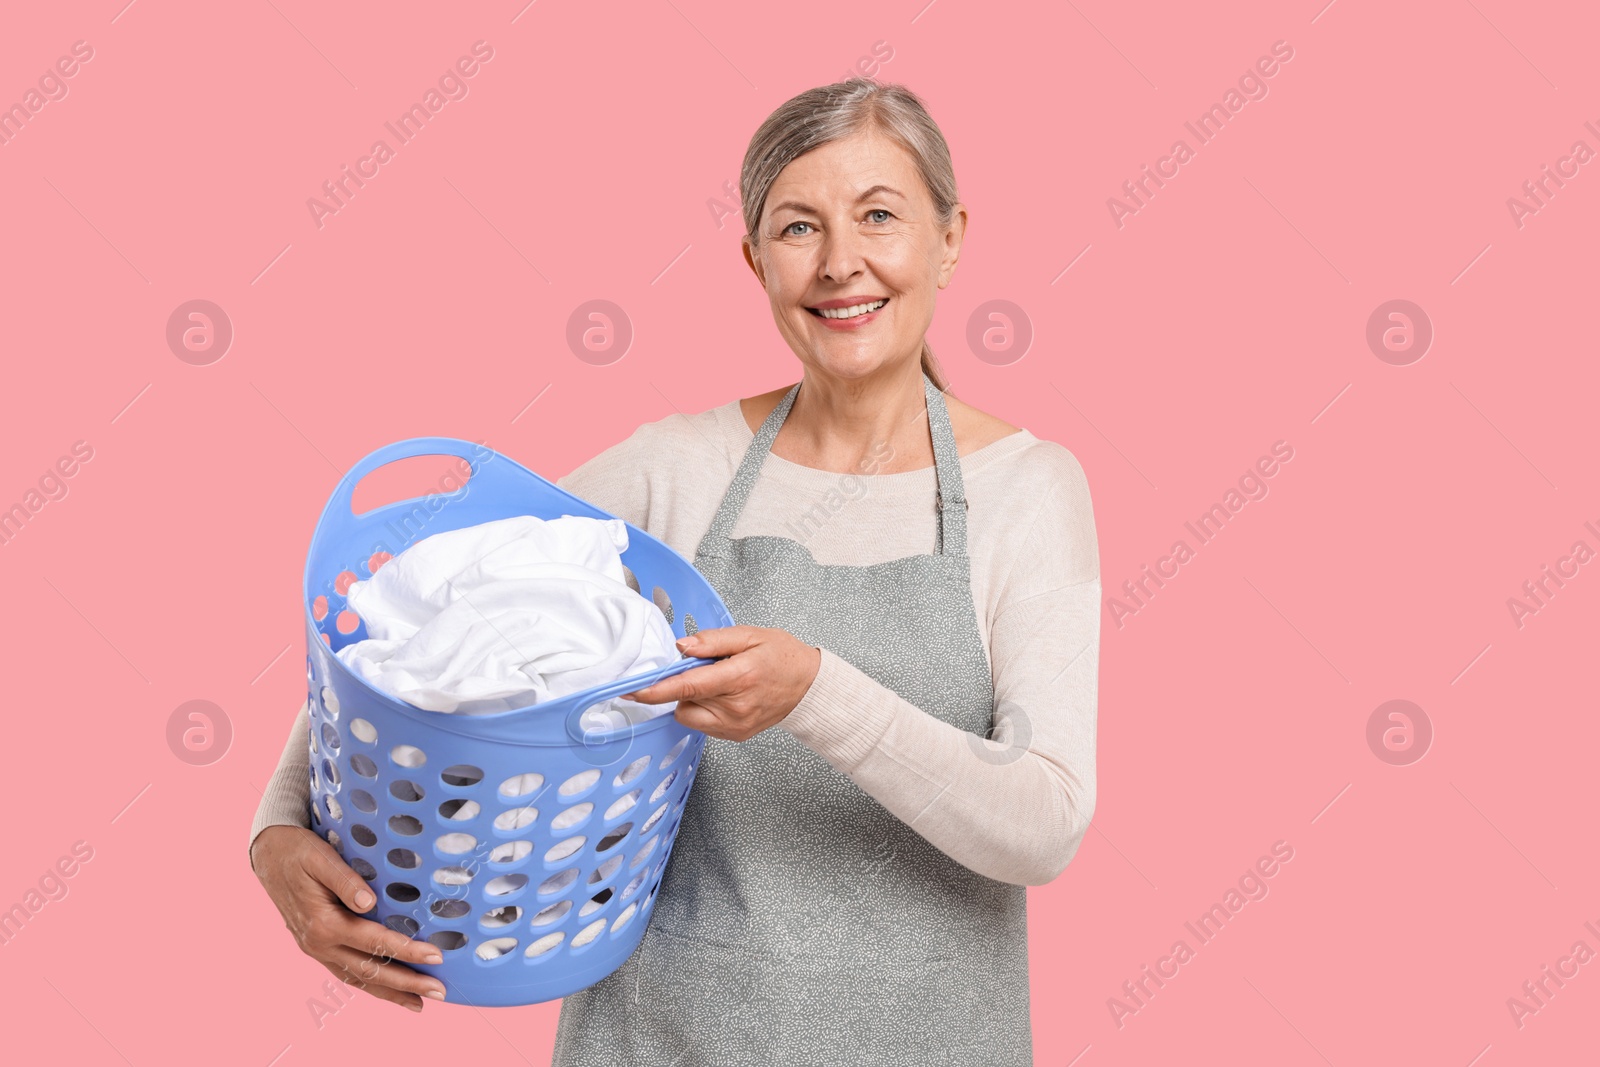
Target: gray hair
x,y
832,112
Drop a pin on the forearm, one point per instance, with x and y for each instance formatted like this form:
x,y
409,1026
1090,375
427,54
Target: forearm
x,y
1015,808
284,802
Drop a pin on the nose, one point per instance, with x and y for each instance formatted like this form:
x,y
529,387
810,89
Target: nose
x,y
842,254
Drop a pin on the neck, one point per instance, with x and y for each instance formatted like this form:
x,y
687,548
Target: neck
x,y
871,425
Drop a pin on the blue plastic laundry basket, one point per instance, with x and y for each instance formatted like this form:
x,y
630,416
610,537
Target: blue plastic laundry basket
x,y
528,851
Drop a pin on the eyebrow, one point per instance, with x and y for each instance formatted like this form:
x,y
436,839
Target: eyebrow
x,y
868,195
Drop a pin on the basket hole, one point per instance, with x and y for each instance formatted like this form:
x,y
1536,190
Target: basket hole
x,y
644,853
455,844
364,801
516,818
343,581
650,823
315,788
402,892
595,903
330,737
558,883
452,876
333,839
402,924
562,849
628,576
319,611
316,815
589,933
335,812
407,480
689,625
462,774
447,940
553,914
367,871
612,839
520,785
459,809
579,782
497,918
511,852
544,945
605,870
505,884
662,601
677,750
625,918
376,560
493,950
408,791
330,772
363,765
405,825
572,816
408,756
347,622
363,731
666,784
330,701
632,771
634,884
449,909
404,858
623,804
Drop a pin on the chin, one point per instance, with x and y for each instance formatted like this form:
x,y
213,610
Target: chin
x,y
849,368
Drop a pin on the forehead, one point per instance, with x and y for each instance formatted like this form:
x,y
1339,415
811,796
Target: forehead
x,y
838,172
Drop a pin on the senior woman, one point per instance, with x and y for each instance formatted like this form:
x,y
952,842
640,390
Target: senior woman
x,y
902,722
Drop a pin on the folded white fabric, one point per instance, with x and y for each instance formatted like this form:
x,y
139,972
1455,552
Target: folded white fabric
x,y
509,613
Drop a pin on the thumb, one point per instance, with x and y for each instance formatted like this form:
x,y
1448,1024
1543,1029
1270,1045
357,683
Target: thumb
x,y
328,868
717,642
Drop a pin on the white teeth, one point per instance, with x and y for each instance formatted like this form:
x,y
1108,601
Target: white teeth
x,y
851,312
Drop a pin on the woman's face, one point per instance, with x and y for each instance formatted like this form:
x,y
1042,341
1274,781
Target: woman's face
x,y
852,223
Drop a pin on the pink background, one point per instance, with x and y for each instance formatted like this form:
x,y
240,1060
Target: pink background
x,y
1229,313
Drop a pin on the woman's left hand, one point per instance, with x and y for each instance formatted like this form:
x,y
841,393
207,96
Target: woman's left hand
x,y
765,673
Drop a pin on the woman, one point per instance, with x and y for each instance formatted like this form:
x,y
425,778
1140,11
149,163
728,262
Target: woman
x,y
848,881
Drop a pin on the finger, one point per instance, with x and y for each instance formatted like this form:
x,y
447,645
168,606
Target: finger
x,y
696,683
720,641
362,968
375,988
326,866
699,717
375,939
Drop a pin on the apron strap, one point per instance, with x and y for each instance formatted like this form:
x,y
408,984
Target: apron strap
x,y
950,501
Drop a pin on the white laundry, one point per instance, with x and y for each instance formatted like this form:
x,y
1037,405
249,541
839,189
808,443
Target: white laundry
x,y
509,613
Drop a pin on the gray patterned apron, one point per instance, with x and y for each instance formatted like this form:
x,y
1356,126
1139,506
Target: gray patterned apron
x,y
798,921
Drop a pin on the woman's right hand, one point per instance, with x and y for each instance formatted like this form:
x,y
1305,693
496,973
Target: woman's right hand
x,y
320,898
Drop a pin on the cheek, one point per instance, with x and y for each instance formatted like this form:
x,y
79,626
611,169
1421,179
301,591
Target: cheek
x,y
906,264
784,278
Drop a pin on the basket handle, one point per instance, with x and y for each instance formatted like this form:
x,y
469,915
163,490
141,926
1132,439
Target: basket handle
x,y
575,728
339,501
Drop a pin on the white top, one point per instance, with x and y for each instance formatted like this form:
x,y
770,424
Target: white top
x,y
1014,808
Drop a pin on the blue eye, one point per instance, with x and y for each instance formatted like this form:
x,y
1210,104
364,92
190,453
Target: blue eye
x,y
792,225
880,211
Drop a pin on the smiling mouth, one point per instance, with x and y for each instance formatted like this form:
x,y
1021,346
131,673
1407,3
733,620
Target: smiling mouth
x,y
849,312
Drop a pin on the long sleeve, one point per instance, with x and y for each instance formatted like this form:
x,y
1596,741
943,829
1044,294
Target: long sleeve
x,y
284,801
1014,808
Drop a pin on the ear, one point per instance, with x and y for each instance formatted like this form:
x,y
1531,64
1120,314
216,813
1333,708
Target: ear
x,y
953,236
746,245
